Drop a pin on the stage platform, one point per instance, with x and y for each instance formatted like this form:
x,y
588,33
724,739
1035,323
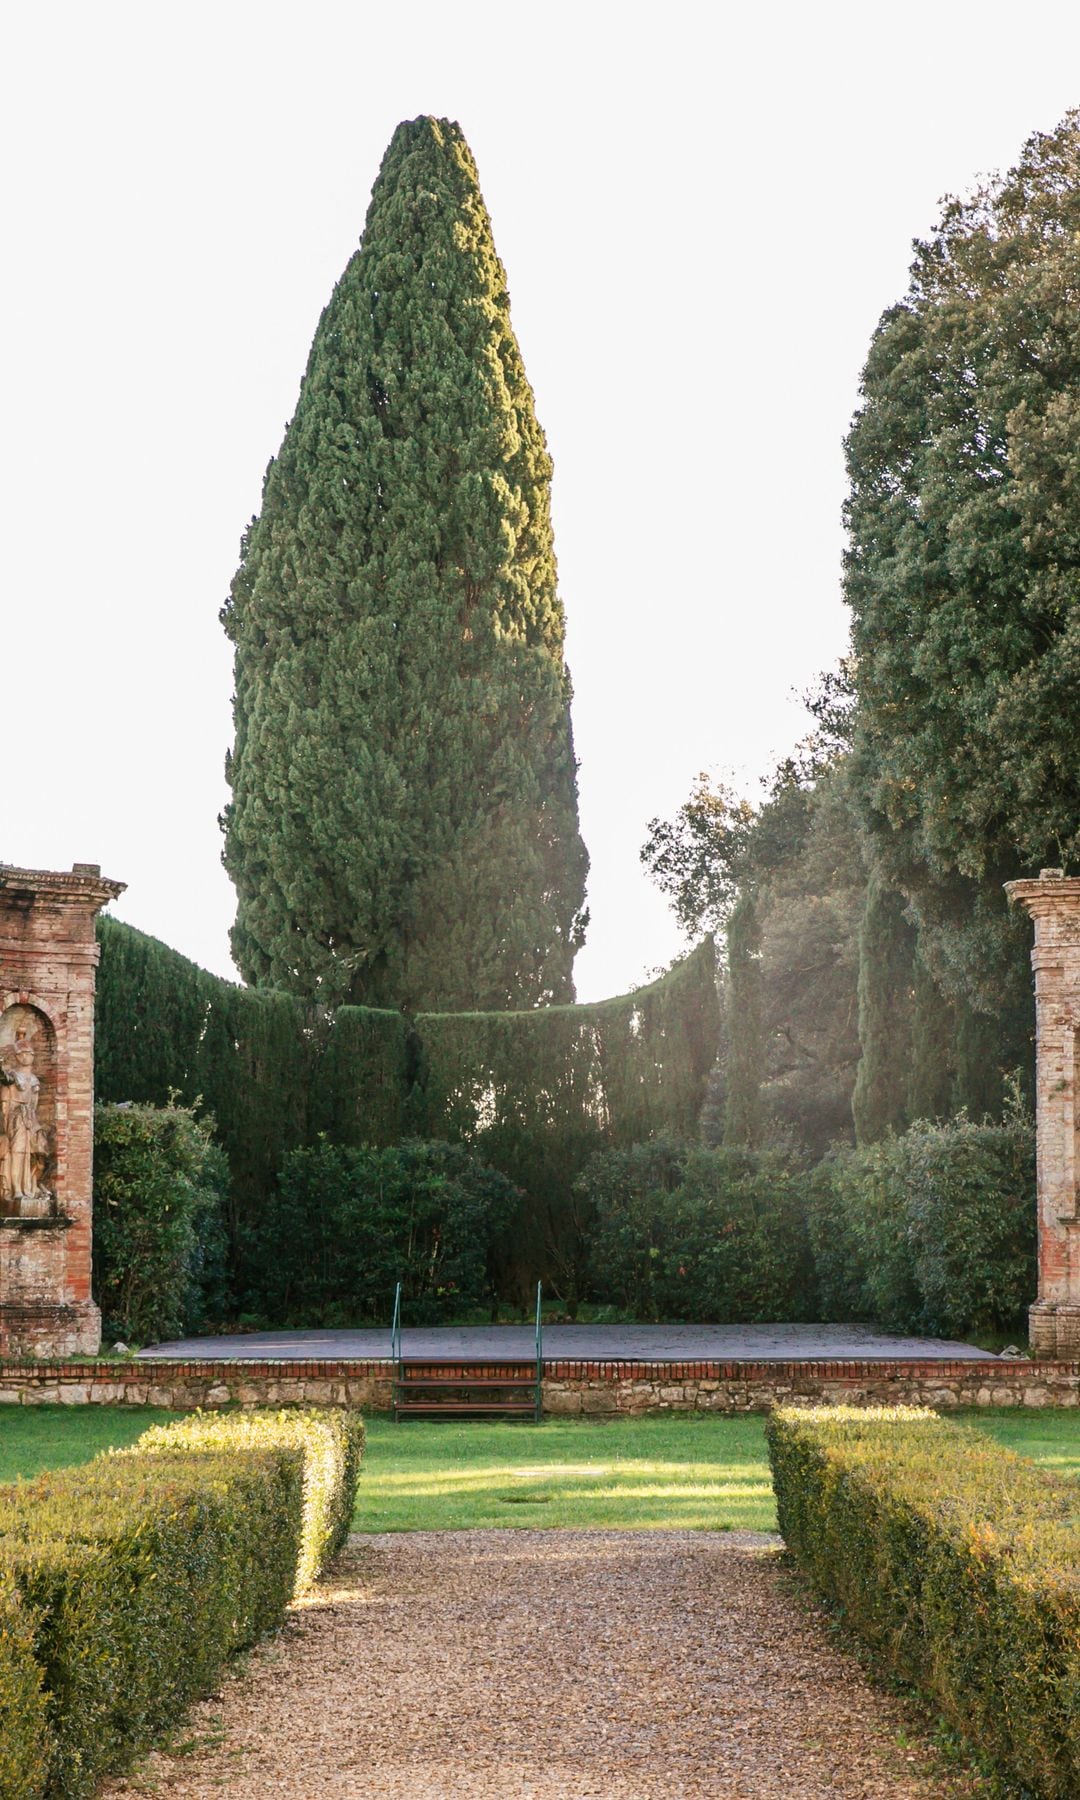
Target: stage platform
x,y
577,1343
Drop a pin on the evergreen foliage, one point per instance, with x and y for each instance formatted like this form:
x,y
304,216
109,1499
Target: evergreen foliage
x,y
532,1093
955,1561
745,1033
886,978
159,1184
425,1214
786,881
538,1093
964,518
932,1231
403,829
681,1232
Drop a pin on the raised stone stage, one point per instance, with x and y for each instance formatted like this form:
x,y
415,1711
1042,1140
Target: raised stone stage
x,y
577,1343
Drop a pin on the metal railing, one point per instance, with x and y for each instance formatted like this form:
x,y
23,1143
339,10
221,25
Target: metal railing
x,y
539,1354
395,1332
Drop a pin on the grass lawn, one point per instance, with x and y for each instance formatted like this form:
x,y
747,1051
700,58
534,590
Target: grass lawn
x,y
692,1472
1050,1437
677,1470
47,1437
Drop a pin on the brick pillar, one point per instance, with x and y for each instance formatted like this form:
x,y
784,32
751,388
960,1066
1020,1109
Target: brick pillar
x,y
48,958
1054,903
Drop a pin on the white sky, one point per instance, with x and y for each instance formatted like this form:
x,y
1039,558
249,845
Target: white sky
x,y
702,212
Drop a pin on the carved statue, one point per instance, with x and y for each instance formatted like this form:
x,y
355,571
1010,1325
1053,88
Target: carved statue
x,y
24,1144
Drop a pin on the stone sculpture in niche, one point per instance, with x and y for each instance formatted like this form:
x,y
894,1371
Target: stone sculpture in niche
x,y
48,955
24,1143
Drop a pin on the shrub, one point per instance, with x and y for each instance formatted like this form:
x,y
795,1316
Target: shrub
x,y
971,1222
688,1233
957,1561
24,1739
331,1443
843,1291
156,1207
426,1214
141,1574
930,1231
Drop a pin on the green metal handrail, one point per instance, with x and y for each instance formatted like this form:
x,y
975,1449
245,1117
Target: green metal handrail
x,y
395,1332
539,1354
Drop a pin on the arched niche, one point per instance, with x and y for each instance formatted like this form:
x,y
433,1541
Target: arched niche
x,y
28,1043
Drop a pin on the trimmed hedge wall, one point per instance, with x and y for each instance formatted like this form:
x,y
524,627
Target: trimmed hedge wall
x,y
142,1574
127,1581
532,1093
24,1730
331,1445
957,1561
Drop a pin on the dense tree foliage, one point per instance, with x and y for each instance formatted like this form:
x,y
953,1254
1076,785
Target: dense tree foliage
x,y
681,1232
963,573
425,1214
403,828
785,880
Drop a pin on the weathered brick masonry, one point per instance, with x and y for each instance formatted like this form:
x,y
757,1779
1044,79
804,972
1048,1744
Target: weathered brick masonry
x,y
1054,904
48,959
570,1388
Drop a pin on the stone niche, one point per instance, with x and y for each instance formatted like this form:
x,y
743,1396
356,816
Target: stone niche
x,y
48,959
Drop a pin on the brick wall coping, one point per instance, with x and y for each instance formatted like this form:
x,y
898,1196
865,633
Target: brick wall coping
x,y
160,1370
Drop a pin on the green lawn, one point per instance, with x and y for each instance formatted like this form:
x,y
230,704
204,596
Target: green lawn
x,y
47,1437
693,1472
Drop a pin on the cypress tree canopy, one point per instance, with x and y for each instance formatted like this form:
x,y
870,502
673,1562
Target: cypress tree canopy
x,y
403,827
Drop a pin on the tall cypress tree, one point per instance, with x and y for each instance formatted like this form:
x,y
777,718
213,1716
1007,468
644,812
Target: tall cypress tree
x,y
403,829
886,977
744,1017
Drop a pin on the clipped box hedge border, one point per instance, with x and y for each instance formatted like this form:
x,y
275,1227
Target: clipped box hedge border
x,y
126,1582
331,1444
957,1561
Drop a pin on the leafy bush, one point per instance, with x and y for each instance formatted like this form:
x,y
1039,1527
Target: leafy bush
x,y
931,1231
24,1740
426,1214
683,1232
157,1206
956,1561
331,1442
140,1574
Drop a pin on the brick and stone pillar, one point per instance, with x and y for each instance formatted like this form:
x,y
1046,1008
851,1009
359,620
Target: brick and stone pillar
x,y
1054,903
48,958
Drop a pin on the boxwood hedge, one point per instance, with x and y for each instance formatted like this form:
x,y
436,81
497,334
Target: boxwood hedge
x,y
331,1444
957,1561
126,1582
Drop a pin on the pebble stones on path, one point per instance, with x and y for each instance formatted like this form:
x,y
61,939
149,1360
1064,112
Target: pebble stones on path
x,y
546,1665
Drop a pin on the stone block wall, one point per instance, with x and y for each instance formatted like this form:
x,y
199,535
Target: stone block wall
x,y
571,1389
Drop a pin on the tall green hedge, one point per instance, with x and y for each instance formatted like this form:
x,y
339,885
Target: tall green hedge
x,y
537,1093
534,1093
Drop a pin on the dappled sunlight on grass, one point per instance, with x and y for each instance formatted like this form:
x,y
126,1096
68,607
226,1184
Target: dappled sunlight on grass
x,y
430,1476
1049,1437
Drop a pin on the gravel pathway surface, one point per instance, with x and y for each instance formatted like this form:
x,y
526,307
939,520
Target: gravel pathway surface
x,y
553,1665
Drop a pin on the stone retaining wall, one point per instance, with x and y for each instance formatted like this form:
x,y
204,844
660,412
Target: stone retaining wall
x,y
570,1388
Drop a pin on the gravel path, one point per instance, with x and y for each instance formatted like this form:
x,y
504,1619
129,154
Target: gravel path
x,y
557,1665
